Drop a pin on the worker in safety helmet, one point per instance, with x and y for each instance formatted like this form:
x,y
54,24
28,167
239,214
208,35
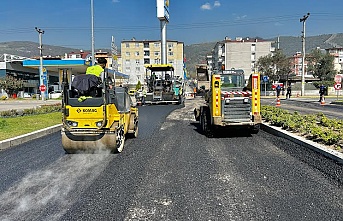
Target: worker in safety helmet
x,y
97,69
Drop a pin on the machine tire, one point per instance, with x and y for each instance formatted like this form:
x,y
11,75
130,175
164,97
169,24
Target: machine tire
x,y
255,129
133,121
120,140
206,123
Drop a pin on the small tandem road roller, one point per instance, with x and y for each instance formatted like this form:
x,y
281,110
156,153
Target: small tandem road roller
x,y
96,117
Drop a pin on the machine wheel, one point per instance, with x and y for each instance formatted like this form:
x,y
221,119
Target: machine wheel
x,y
206,123
133,121
120,140
255,129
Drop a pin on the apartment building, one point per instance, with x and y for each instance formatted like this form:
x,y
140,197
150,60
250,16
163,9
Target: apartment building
x,y
135,54
338,58
239,54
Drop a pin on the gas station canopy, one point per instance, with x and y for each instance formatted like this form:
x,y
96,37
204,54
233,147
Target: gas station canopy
x,y
76,65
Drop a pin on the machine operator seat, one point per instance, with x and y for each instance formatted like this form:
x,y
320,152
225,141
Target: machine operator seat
x,y
86,85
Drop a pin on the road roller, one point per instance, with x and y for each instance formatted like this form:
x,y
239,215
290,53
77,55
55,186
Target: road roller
x,y
96,116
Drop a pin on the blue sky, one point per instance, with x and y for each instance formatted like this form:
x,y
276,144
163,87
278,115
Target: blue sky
x,y
68,22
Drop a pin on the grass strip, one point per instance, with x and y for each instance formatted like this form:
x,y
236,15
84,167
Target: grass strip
x,y
15,126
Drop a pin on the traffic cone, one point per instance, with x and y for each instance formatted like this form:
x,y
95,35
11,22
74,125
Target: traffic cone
x,y
322,102
278,103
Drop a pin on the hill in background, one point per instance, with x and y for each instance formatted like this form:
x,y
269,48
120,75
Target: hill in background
x,y
194,54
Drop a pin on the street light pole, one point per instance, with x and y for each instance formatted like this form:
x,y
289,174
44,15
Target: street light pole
x,y
303,20
41,82
92,23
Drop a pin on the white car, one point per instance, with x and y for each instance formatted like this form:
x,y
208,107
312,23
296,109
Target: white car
x,y
26,95
55,94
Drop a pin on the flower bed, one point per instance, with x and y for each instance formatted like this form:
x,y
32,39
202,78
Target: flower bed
x,y
315,127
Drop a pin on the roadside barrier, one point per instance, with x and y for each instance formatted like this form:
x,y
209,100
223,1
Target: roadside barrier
x,y
278,103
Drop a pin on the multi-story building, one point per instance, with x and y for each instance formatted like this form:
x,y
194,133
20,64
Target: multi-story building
x,y
135,54
239,54
338,57
296,62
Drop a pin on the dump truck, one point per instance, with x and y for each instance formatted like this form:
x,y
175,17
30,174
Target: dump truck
x,y
230,104
96,116
162,86
203,79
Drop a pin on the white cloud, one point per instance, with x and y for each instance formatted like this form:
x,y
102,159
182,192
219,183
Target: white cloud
x,y
115,1
206,6
240,17
216,4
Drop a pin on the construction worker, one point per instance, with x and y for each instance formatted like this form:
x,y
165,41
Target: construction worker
x,y
289,92
321,92
144,96
97,69
278,90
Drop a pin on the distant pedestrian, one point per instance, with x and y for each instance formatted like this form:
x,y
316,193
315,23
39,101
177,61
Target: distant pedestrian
x,y
289,92
321,92
144,96
278,90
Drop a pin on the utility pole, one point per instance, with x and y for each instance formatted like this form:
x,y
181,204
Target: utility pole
x,y
303,20
114,58
92,24
41,82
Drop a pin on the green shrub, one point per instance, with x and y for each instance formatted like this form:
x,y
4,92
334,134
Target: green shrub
x,y
40,110
315,127
8,113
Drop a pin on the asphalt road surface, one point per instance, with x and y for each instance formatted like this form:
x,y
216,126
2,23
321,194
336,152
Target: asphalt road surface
x,y
171,172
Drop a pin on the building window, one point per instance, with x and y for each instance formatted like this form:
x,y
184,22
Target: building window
x,y
170,45
146,61
146,53
156,53
156,61
137,45
127,61
127,53
127,45
146,44
137,53
157,45
128,69
170,53
138,69
137,61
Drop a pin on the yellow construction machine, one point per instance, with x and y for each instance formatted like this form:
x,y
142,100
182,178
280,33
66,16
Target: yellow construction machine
x,y
230,104
163,86
96,116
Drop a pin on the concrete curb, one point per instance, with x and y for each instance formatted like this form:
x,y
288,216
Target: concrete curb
x,y
30,136
332,154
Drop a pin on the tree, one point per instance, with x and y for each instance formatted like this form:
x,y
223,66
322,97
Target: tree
x,y
11,84
138,85
321,65
276,66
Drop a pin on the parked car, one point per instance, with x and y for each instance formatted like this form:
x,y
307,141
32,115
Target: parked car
x,y
55,94
26,95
